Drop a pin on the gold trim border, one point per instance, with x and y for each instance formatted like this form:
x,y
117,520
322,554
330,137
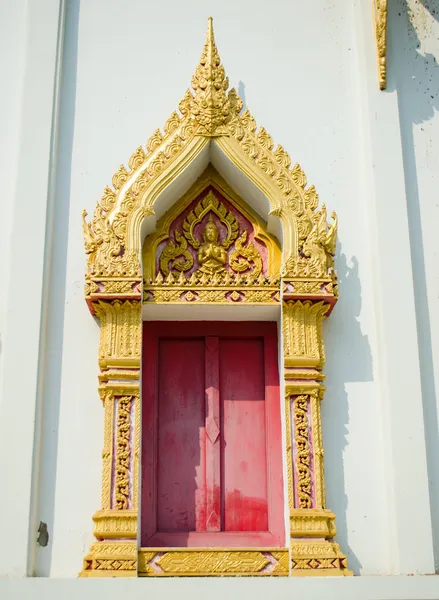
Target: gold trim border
x,y
205,562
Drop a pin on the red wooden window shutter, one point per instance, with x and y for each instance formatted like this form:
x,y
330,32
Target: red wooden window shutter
x,y
211,441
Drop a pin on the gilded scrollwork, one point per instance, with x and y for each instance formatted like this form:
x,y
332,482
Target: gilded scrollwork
x,y
245,257
302,451
160,562
380,14
317,243
107,452
123,453
176,256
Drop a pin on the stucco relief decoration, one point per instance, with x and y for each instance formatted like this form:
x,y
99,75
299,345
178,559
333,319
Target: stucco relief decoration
x,y
209,111
210,247
209,251
380,19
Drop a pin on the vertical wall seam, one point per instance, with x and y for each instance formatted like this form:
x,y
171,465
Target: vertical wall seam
x,y
47,268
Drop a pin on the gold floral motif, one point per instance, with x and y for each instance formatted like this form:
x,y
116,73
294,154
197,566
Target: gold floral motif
x,y
119,287
242,256
380,13
289,451
317,244
208,561
319,474
303,454
136,458
178,253
90,287
107,452
123,454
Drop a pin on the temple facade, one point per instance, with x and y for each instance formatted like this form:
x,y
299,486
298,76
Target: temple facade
x,y
219,370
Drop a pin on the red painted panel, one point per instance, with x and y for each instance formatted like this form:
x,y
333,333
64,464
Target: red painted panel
x,y
185,367
181,437
243,457
213,440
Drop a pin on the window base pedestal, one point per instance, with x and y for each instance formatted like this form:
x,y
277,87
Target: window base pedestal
x,y
318,558
111,559
202,562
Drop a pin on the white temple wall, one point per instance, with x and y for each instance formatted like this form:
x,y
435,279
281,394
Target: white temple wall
x,y
309,105
307,72
415,54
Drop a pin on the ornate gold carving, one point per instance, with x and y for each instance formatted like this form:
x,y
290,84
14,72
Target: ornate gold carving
x,y
121,328
302,333
289,451
319,475
207,561
212,256
123,455
115,524
225,289
306,523
380,17
175,253
317,244
211,108
107,452
112,240
303,359
210,203
318,558
112,237
242,256
211,252
135,499
119,357
111,559
303,455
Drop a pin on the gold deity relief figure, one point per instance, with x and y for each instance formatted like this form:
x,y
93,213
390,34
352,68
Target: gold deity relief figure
x,y
212,257
208,240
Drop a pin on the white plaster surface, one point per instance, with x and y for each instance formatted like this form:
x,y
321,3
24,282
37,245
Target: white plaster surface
x,y
307,72
257,588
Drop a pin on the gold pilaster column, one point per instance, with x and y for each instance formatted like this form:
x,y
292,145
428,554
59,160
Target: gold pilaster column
x,y
312,525
119,389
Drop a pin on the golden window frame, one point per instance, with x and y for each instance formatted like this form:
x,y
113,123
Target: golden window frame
x,y
307,291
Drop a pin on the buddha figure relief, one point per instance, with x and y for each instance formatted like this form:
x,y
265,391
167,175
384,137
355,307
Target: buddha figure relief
x,y
211,256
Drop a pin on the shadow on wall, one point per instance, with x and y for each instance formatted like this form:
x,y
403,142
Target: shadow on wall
x,y
56,307
414,74
350,362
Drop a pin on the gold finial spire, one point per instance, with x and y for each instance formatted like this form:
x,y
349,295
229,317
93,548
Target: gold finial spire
x,y
211,108
210,48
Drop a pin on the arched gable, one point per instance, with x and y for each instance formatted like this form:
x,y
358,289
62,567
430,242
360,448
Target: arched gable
x,y
208,114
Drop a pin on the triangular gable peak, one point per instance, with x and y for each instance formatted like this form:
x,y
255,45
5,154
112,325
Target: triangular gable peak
x,y
207,114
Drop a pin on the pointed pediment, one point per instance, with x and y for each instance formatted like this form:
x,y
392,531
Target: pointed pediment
x,y
209,105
